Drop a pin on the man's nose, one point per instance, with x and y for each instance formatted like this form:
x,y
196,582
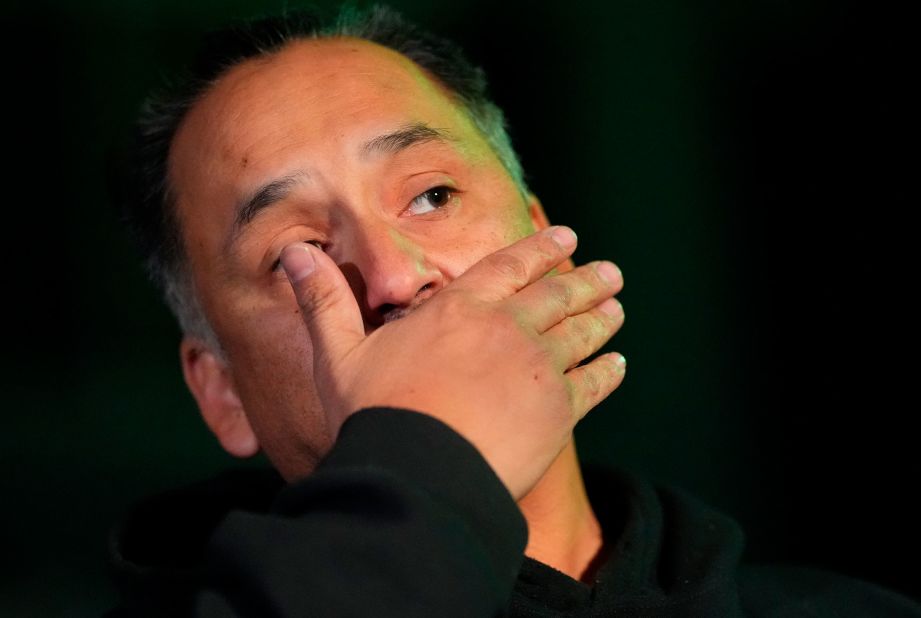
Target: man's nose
x,y
394,275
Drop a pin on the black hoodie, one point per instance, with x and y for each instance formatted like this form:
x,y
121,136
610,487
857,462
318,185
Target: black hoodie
x,y
404,518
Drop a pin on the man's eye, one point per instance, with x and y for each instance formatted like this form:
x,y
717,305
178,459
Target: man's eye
x,y
276,265
431,200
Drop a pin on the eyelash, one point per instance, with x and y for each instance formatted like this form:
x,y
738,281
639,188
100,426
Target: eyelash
x,y
451,192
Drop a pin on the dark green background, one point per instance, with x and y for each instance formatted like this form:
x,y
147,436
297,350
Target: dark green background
x,y
749,165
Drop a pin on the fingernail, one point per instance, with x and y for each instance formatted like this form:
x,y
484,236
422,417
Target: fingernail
x,y
297,261
611,307
620,365
564,236
608,271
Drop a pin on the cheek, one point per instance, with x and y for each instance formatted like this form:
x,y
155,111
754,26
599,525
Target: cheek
x,y
484,235
272,343
271,357
272,361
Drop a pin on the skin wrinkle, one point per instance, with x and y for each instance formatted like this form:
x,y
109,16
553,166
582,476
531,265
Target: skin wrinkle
x,y
277,190
269,194
311,106
440,154
273,153
424,80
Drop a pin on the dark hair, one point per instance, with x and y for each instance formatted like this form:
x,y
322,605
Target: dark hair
x,y
142,185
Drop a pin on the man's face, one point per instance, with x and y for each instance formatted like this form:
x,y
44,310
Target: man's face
x,y
343,143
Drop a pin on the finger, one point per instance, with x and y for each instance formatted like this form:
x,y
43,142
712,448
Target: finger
x,y
578,337
550,300
592,382
506,271
327,304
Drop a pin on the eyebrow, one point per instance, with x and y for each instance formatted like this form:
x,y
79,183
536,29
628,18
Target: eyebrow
x,y
404,137
278,189
265,196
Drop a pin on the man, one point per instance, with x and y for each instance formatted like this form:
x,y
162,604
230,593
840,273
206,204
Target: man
x,y
371,296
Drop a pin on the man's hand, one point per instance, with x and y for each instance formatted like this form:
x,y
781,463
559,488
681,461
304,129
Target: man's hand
x,y
495,354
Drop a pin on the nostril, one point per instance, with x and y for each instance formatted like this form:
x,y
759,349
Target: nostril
x,y
388,312
394,312
386,309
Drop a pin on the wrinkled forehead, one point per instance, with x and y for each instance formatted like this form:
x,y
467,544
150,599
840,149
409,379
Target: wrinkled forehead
x,y
312,91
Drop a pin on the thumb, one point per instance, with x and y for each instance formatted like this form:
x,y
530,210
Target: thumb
x,y
327,304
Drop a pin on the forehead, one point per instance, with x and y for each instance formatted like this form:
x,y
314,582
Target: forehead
x,y
310,93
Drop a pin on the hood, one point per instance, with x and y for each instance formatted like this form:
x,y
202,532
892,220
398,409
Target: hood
x,y
667,554
157,551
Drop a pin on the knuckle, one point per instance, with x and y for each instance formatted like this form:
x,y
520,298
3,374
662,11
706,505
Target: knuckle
x,y
591,383
589,332
592,332
610,315
607,326
561,292
547,247
509,266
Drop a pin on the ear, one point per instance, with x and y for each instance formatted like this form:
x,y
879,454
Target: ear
x,y
209,379
540,222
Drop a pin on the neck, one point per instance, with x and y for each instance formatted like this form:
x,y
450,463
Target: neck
x,y
562,529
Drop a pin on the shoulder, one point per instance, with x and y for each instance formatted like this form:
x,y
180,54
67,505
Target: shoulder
x,y
772,591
